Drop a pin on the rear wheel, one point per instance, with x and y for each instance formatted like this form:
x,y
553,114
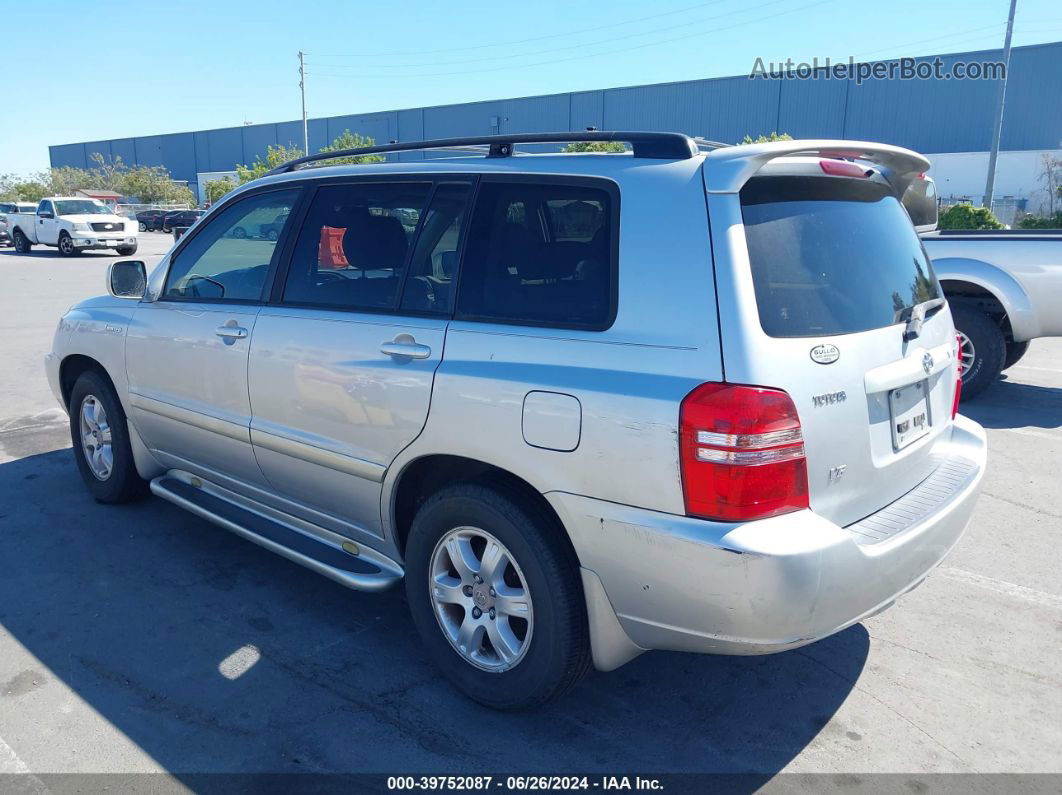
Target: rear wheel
x,y
983,349
1015,350
143,227
21,242
496,596
100,439
239,233
66,245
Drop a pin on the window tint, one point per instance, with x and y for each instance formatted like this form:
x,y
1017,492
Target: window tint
x,y
230,257
352,247
430,285
539,254
831,256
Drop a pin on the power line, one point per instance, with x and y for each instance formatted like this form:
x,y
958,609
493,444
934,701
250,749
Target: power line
x,y
684,24
519,41
589,55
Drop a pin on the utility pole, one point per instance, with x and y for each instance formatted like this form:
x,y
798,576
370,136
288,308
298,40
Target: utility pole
x,y
302,89
997,130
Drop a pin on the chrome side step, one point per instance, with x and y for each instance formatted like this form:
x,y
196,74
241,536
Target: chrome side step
x,y
327,553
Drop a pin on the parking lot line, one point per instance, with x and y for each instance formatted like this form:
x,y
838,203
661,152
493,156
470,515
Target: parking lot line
x,y
1000,586
11,764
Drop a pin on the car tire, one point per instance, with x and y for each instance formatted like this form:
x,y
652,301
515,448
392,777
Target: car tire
x,y
98,423
125,251
66,245
982,340
1015,350
546,643
143,227
272,235
21,242
239,233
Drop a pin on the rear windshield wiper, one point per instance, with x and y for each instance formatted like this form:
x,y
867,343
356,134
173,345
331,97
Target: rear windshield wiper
x,y
916,315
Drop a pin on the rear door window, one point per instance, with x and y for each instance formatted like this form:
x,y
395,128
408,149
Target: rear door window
x,y
541,254
352,249
832,255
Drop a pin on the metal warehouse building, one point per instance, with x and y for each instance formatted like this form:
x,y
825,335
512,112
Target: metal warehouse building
x,y
950,120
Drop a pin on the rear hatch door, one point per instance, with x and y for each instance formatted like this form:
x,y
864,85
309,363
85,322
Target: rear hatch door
x,y
826,272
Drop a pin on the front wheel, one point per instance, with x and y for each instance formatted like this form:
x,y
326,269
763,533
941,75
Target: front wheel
x,y
495,593
21,242
100,440
143,227
982,348
125,251
66,245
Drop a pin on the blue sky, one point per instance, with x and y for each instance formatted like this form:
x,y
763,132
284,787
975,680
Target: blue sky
x,y
91,71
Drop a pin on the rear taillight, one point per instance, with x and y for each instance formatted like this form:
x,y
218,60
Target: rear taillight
x,y
958,376
742,453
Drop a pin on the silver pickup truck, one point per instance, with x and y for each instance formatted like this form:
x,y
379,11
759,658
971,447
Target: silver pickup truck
x,y
1005,289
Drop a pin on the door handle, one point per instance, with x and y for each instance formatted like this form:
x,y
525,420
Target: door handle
x,y
404,345
231,332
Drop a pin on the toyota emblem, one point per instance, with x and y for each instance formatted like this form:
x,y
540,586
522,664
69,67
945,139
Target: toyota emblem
x,y
927,362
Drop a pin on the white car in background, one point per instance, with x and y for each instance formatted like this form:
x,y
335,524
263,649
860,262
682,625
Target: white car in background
x,y
72,225
11,207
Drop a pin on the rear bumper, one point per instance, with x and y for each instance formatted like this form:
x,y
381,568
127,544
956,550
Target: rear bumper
x,y
671,582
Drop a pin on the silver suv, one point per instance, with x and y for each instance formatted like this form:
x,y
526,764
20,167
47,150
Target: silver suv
x,y
687,397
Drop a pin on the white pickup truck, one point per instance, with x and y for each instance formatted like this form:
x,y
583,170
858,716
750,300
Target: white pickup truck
x,y
72,225
1004,288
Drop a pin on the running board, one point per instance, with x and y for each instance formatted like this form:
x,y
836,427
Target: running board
x,y
327,553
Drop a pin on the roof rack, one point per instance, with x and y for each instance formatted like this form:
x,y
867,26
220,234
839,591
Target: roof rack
x,y
656,145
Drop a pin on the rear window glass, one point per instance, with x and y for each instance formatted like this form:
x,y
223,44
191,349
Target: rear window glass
x,y
831,256
540,255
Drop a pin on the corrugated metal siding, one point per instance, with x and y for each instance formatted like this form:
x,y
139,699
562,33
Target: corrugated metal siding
x,y
927,115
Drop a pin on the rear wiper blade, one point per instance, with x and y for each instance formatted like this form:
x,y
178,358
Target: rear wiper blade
x,y
916,315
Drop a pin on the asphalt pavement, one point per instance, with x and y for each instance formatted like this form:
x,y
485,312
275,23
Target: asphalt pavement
x,y
142,639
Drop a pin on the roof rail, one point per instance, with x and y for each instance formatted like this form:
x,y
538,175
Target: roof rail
x,y
657,145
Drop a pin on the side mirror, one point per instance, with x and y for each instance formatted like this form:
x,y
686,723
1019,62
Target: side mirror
x,y
46,215
127,279
920,200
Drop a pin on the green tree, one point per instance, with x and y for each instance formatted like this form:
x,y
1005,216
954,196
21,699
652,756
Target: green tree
x,y
216,188
275,156
1046,222
349,140
766,139
966,216
595,146
153,185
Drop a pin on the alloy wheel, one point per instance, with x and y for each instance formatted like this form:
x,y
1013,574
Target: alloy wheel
x,y
481,599
96,438
967,354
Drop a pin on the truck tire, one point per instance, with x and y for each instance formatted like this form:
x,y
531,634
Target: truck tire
x,y
516,647
125,251
100,438
1015,350
66,245
983,349
21,242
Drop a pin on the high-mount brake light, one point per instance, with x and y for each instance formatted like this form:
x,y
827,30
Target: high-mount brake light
x,y
742,453
842,168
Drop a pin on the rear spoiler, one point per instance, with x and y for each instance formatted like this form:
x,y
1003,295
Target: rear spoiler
x,y
727,170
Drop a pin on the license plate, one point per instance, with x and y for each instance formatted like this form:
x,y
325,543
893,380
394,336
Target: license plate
x,y
111,242
909,408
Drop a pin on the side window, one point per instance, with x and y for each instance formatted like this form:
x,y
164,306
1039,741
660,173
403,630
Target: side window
x,y
230,257
351,251
432,270
540,254
44,207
